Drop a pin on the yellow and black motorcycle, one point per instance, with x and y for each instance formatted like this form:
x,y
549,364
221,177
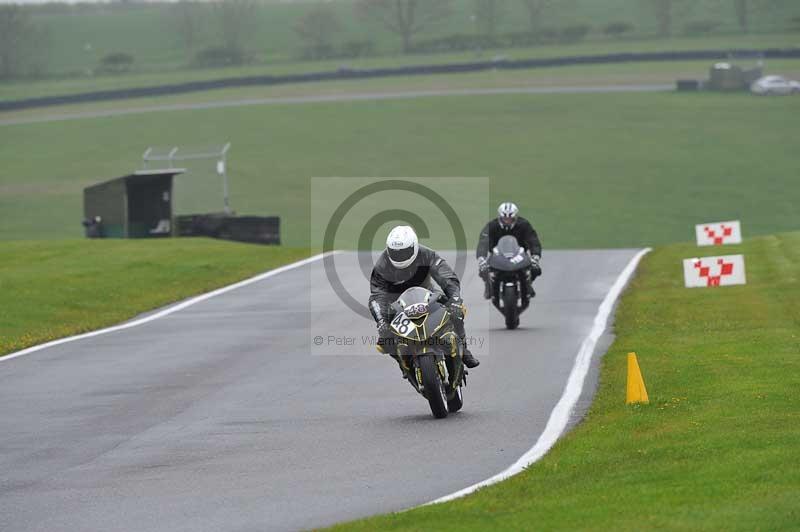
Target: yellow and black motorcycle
x,y
429,349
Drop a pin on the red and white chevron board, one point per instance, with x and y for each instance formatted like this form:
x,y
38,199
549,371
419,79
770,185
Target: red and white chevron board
x,y
714,271
719,233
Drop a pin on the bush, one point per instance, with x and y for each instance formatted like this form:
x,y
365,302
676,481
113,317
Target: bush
x,y
519,39
464,42
615,29
116,63
219,56
454,43
355,49
574,33
318,52
348,50
547,35
700,27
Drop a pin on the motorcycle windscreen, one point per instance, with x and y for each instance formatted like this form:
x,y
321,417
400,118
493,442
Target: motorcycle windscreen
x,y
414,295
508,256
508,246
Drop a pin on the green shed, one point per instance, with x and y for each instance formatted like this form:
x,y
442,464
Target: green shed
x,y
137,205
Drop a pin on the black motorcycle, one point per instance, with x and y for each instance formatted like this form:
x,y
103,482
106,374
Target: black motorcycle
x,y
429,349
509,266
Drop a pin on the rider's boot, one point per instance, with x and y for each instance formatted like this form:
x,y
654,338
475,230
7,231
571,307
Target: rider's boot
x,y
487,289
469,359
403,367
529,281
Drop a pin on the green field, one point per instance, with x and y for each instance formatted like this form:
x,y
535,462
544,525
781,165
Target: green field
x,y
52,289
618,170
715,448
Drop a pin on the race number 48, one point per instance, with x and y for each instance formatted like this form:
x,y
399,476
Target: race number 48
x,y
401,323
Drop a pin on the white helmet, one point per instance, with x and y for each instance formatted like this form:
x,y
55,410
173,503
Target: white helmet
x,y
402,246
507,215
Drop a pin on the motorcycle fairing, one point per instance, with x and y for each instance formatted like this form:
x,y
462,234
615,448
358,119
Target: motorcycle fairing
x,y
422,328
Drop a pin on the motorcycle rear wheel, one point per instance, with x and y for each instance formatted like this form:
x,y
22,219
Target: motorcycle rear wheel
x,y
434,387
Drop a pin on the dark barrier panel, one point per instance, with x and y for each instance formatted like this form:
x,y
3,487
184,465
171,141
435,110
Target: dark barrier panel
x,y
254,229
688,85
417,70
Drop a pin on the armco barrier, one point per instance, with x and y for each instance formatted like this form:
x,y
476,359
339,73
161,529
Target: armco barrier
x,y
414,70
254,229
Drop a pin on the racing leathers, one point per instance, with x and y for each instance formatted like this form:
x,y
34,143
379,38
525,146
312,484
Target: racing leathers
x,y
527,237
428,270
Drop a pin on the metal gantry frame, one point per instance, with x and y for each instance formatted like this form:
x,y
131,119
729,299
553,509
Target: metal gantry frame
x,y
172,154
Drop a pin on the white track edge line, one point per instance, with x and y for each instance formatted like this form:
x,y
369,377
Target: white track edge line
x,y
559,417
167,311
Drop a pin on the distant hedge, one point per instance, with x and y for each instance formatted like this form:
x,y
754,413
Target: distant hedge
x,y
116,63
462,42
348,50
219,56
616,29
700,27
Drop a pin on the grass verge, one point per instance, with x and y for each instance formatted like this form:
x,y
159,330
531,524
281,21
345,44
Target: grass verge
x,y
716,447
53,289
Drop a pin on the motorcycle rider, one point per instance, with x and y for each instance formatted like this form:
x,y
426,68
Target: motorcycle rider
x,y
405,264
508,222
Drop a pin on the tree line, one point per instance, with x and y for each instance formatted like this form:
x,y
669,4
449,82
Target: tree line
x,y
24,44
407,18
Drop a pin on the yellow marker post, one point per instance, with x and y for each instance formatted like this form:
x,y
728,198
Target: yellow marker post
x,y
637,393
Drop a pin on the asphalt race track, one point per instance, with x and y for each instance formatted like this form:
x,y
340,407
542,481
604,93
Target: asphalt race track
x,y
225,416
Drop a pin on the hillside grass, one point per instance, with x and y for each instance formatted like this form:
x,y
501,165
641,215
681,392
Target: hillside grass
x,y
52,289
81,35
146,75
714,450
592,170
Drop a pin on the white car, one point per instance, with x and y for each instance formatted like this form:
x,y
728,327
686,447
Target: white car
x,y
774,85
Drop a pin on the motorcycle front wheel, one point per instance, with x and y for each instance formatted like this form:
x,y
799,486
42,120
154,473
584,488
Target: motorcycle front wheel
x,y
510,307
433,385
455,404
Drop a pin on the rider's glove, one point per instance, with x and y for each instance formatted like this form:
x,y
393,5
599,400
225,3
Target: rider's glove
x,y
384,337
483,265
384,331
536,265
457,308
